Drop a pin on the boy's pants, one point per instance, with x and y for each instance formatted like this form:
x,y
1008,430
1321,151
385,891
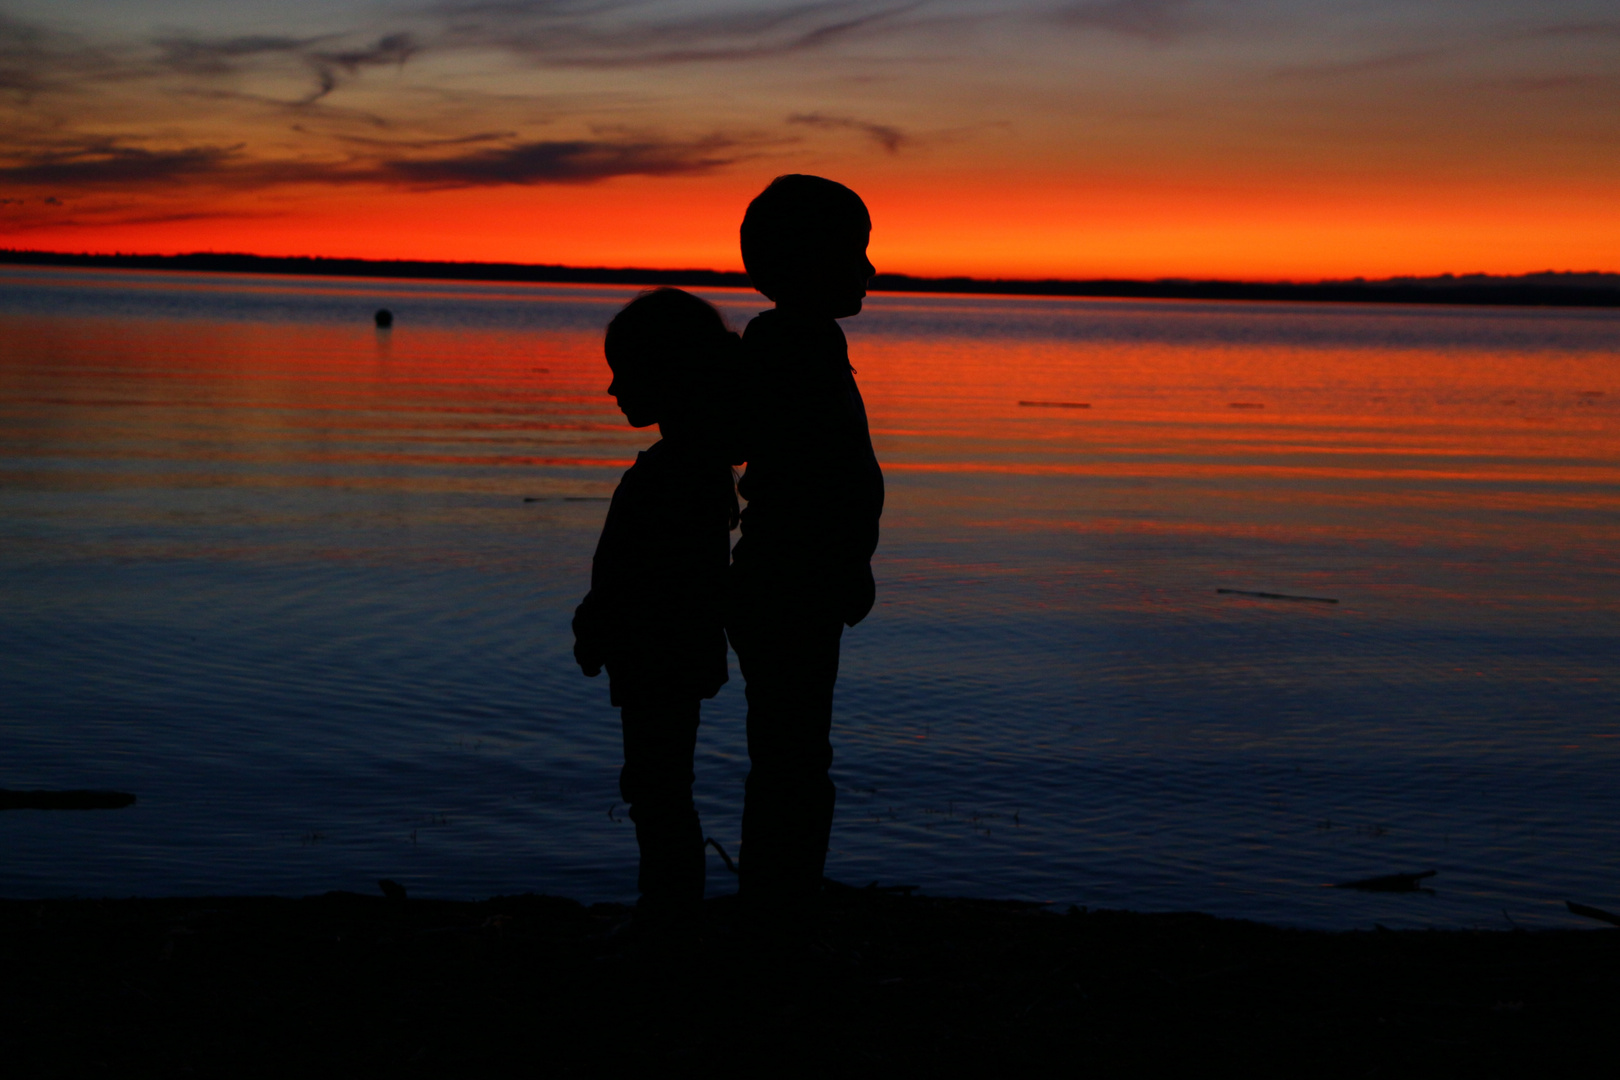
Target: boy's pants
x,y
789,657
656,781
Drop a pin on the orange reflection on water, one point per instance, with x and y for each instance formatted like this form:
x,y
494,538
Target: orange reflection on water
x,y
1370,421
1373,421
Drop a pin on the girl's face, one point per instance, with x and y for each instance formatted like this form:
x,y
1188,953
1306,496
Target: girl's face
x,y
636,399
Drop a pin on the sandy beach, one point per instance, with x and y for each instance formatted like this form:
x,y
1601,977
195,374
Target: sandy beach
x,y
345,984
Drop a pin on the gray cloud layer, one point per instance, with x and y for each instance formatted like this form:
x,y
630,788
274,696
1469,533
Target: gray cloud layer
x,y
295,96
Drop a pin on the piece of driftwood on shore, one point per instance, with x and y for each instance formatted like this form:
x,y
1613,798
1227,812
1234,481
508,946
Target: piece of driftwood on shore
x,y
1390,883
65,800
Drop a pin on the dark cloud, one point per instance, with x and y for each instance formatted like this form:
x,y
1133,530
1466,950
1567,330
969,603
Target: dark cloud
x,y
890,138
107,164
568,161
389,49
1151,20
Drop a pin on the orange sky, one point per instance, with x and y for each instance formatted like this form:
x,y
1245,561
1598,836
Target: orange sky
x,y
1232,138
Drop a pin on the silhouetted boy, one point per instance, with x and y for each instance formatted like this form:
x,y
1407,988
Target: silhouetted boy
x,y
802,570
655,614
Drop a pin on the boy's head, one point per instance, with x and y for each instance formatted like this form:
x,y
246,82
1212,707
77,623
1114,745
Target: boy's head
x,y
668,350
804,245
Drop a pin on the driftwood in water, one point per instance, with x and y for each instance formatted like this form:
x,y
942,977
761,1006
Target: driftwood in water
x,y
65,800
1390,883
1592,913
1279,596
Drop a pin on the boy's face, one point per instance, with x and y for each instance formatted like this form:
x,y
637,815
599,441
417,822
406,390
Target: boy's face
x,y
833,281
634,396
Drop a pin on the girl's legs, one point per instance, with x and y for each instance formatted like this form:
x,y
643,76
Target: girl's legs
x,y
659,739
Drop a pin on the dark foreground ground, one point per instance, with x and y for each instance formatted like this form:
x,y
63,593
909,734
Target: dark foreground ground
x,y
356,985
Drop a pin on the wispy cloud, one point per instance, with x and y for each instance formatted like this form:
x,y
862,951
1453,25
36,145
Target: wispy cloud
x,y
1546,84
1370,65
422,144
326,60
572,35
1596,29
1150,20
196,56
886,136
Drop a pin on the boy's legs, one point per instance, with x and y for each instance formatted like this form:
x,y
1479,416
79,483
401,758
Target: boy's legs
x,y
656,781
790,661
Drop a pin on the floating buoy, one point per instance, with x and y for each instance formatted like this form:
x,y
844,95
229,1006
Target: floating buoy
x,y
385,318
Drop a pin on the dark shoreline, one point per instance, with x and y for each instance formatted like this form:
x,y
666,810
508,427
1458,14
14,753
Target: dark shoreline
x,y
344,984
1551,289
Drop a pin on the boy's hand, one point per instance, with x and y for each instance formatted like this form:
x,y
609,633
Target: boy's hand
x,y
861,593
588,659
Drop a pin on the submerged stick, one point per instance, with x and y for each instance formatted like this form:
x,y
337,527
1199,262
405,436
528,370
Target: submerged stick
x,y
1592,913
1279,596
1389,883
709,841
65,800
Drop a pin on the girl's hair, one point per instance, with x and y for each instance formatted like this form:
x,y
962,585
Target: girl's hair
x,y
667,328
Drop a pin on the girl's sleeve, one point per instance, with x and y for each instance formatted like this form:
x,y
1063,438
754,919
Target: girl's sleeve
x,y
594,618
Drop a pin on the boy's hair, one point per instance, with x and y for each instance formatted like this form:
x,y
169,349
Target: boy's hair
x,y
787,226
664,326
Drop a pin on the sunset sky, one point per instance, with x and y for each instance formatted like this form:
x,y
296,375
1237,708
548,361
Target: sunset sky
x,y
1234,138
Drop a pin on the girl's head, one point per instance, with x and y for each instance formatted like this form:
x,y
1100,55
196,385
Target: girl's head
x,y
673,359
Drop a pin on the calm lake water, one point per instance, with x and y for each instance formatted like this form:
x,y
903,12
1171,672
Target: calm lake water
x,y
304,587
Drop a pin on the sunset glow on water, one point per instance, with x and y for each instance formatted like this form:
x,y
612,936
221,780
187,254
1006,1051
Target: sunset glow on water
x,y
303,586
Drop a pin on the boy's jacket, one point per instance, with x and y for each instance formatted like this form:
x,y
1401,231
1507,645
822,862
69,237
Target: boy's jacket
x,y
813,485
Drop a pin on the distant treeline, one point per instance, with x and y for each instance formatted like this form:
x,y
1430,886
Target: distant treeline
x,y
1551,288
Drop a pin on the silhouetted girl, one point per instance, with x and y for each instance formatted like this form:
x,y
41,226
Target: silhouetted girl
x,y
655,614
